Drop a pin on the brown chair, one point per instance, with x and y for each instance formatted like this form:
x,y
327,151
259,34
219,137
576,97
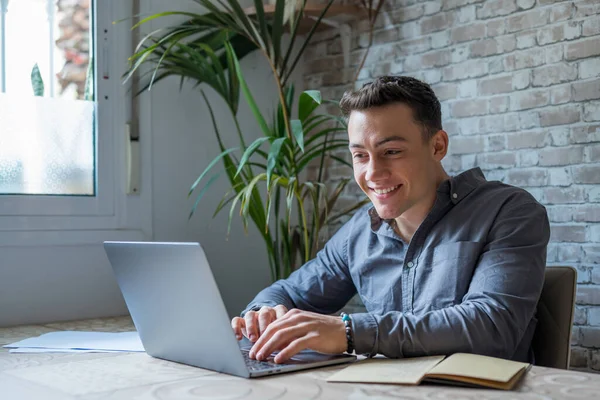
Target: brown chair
x,y
555,310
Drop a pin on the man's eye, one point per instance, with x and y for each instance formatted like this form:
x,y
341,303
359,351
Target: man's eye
x,y
393,152
358,155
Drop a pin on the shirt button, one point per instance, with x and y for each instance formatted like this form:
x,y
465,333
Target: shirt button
x,y
410,264
455,195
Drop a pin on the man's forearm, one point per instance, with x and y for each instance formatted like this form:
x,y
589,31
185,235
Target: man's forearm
x,y
322,285
473,327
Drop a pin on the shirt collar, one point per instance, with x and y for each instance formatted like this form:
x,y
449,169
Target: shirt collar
x,y
463,184
456,188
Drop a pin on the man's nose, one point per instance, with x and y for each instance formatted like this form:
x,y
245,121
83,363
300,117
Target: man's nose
x,y
375,170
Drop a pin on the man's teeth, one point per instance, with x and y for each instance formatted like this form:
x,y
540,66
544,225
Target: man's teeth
x,y
384,191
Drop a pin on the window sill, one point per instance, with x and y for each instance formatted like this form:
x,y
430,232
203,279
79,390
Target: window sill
x,y
68,237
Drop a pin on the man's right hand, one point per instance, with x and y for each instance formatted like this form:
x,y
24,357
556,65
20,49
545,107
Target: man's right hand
x,y
255,323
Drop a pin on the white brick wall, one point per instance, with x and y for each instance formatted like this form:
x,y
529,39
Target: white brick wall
x,y
519,82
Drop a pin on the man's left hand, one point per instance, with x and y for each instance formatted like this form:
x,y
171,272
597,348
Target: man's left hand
x,y
298,330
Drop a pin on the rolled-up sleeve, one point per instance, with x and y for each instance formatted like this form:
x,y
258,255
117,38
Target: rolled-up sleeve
x,y
322,285
494,313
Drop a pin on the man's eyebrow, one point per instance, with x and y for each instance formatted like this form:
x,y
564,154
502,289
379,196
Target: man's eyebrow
x,y
394,138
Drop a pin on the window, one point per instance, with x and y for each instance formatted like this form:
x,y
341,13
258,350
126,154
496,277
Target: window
x,y
46,100
63,118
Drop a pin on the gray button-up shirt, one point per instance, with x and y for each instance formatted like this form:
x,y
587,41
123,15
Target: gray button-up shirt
x,y
469,280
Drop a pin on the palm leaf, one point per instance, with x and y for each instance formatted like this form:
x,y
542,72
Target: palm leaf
x,y
234,82
272,160
193,39
176,34
319,146
270,192
280,125
215,64
322,133
308,157
262,22
224,201
248,95
202,192
208,168
289,201
298,133
247,197
242,21
308,102
341,160
249,151
163,14
37,83
232,209
278,32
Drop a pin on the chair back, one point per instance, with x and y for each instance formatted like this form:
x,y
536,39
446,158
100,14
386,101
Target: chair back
x,y
552,338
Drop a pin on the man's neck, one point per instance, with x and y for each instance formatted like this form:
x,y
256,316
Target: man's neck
x,y
407,224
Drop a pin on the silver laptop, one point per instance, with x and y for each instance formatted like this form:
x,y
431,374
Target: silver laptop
x,y
179,314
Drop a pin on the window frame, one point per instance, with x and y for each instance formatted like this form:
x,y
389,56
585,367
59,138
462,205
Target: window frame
x,y
52,219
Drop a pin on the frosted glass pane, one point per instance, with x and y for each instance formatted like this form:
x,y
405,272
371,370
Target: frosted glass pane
x,y
46,146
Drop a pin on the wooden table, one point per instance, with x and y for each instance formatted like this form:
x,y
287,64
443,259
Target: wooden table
x,y
112,376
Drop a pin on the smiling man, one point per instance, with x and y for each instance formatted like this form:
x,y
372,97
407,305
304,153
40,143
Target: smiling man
x,y
443,263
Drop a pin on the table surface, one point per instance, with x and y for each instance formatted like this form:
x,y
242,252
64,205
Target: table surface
x,y
92,376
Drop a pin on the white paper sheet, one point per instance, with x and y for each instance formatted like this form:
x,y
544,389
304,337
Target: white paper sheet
x,y
48,350
74,340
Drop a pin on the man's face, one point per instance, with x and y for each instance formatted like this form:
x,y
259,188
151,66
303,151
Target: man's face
x,y
392,163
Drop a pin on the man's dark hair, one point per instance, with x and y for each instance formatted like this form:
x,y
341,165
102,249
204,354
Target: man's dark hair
x,y
386,90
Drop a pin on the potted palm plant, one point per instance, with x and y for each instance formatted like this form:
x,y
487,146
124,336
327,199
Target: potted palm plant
x,y
206,49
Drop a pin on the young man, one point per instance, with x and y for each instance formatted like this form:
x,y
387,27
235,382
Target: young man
x,y
443,264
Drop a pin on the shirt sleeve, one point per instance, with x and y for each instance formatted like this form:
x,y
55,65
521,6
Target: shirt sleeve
x,y
322,285
495,311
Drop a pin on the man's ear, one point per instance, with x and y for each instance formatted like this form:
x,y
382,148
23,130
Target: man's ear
x,y
439,145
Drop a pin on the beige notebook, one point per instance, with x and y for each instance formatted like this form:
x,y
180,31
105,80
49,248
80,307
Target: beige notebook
x,y
459,368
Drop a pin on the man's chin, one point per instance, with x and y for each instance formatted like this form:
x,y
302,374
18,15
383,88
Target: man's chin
x,y
386,213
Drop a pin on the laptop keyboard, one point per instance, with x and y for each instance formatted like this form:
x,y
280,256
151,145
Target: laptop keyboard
x,y
255,365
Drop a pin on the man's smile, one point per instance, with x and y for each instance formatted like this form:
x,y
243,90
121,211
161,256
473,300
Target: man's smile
x,y
383,193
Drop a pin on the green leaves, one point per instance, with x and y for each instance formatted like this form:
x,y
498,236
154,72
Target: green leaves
x,y
208,168
195,49
273,158
37,83
88,93
202,192
207,49
277,33
248,153
298,133
248,95
309,101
